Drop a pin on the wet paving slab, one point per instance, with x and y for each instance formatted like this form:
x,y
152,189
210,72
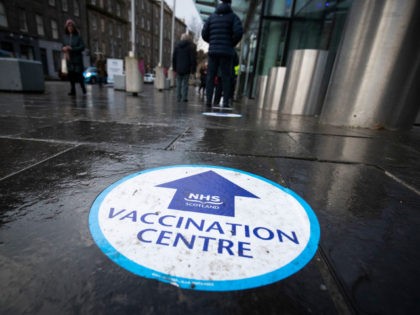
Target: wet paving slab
x,y
157,136
62,153
18,154
15,125
46,221
370,227
257,143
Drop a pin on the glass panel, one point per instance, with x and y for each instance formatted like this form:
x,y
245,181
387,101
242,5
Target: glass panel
x,y
321,27
40,25
76,7
312,8
3,17
316,9
54,29
278,8
94,23
23,26
306,34
118,8
272,45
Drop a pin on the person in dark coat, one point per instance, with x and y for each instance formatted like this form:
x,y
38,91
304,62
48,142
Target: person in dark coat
x,y
101,68
184,62
223,31
73,47
203,79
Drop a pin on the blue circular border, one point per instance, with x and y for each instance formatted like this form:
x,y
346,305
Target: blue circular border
x,y
197,284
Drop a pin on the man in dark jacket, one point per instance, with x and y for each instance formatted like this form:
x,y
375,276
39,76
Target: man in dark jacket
x,y
184,62
223,31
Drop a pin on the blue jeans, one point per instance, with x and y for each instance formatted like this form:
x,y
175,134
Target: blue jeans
x,y
182,87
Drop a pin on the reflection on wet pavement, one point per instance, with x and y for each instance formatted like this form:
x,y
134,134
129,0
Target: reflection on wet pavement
x,y
58,153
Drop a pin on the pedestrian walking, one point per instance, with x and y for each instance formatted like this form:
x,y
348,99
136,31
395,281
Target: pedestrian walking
x,y
203,78
184,62
72,48
223,31
101,69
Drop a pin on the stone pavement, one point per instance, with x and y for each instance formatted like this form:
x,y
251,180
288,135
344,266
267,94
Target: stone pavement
x,y
58,153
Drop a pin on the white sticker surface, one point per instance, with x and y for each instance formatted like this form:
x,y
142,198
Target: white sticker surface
x,y
204,227
219,114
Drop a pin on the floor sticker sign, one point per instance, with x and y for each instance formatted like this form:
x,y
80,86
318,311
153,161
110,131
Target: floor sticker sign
x,y
204,227
219,114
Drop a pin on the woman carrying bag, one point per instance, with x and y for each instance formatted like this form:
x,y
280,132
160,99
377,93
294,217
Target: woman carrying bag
x,y
72,48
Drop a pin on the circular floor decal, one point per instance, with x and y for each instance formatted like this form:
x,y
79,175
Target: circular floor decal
x,y
216,114
204,227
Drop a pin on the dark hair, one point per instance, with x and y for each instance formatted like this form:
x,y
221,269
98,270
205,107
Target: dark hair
x,y
66,27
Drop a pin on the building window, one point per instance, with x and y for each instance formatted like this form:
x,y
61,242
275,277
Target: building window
x,y
23,25
65,5
27,52
76,7
51,3
109,5
94,23
119,33
102,25
111,29
118,6
3,17
54,29
40,25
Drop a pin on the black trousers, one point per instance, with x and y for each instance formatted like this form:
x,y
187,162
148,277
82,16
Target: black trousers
x,y
224,65
76,77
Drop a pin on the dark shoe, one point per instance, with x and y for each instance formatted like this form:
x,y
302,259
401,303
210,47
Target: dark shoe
x,y
208,105
72,93
185,101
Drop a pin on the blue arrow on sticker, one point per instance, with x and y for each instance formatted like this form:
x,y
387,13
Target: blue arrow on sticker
x,y
206,192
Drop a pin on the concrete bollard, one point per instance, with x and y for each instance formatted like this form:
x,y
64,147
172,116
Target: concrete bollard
x,y
21,75
133,76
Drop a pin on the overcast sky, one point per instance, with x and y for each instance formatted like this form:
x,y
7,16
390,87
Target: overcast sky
x,y
185,9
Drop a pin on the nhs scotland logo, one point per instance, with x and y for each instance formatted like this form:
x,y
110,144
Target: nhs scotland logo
x,y
207,192
204,227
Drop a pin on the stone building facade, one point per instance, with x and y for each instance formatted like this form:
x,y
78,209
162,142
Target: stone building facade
x,y
33,29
